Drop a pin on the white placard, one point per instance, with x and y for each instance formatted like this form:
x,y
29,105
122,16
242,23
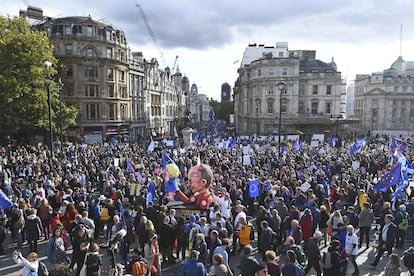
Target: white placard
x,y
246,160
305,186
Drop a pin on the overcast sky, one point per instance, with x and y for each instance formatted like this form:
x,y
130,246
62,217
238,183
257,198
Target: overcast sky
x,y
209,36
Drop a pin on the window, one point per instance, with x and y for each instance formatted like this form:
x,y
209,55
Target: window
x,y
111,111
91,72
69,71
70,92
122,91
284,106
110,74
271,92
91,90
328,108
270,103
122,76
108,35
328,89
90,31
109,52
68,30
284,71
123,111
111,93
280,54
68,49
77,29
89,52
315,89
259,72
314,108
92,111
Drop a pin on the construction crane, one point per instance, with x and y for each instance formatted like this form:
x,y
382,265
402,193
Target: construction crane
x,y
151,33
174,67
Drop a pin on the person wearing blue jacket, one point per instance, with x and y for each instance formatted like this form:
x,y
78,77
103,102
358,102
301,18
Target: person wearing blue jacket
x,y
192,267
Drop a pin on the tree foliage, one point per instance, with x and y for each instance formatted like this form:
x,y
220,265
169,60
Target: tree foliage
x,y
222,110
23,93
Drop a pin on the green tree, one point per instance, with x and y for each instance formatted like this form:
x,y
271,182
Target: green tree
x,y
23,93
222,110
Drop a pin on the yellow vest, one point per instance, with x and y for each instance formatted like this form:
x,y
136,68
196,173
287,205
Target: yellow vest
x,y
244,235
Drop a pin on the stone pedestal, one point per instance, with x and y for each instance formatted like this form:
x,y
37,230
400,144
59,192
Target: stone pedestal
x,y
187,137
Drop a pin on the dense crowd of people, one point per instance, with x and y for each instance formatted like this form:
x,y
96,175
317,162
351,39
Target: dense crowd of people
x,y
115,196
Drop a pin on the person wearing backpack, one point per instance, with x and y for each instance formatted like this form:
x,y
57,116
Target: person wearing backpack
x,y
93,261
330,260
401,220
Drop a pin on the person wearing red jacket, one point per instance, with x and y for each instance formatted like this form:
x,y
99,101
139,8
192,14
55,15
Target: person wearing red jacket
x,y
306,222
199,180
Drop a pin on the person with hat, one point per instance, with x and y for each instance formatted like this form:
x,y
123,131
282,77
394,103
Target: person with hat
x,y
387,238
192,266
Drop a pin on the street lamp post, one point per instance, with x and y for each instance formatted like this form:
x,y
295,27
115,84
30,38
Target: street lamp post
x,y
257,117
48,64
281,87
60,86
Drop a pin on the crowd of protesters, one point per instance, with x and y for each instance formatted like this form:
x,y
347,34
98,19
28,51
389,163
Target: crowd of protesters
x,y
81,198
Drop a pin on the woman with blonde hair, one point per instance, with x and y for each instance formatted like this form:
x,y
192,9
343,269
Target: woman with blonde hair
x,y
31,264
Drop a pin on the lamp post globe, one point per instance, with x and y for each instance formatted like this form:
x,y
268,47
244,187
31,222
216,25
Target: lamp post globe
x,y
48,64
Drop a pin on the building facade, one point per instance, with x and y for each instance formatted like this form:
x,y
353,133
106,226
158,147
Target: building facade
x,y
118,93
309,101
384,101
95,74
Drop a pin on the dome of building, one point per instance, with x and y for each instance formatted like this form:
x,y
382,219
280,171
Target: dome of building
x,y
333,64
398,64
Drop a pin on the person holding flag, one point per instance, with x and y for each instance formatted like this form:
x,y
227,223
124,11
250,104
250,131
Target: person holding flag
x,y
199,181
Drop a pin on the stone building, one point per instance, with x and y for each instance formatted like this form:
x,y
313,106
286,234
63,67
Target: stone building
x,y
118,92
95,74
384,101
310,100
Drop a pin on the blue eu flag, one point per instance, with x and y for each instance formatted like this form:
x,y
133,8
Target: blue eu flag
x,y
390,179
254,190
